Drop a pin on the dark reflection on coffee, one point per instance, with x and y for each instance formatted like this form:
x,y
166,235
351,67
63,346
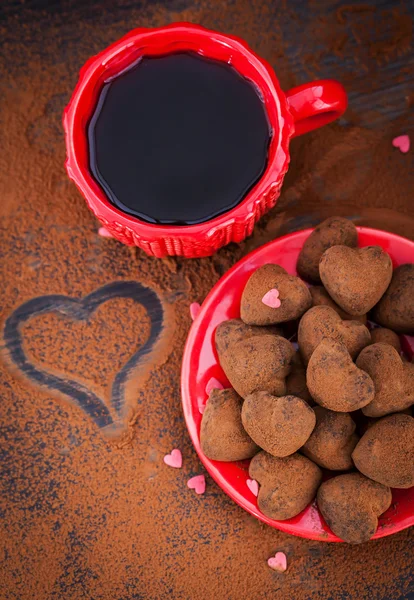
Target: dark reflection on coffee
x,y
178,139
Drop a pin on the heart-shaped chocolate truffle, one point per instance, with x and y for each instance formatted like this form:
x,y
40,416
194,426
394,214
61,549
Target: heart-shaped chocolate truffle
x,y
396,308
331,232
392,379
385,453
323,322
287,485
278,425
222,436
320,297
230,332
351,505
356,278
334,381
257,308
258,363
332,441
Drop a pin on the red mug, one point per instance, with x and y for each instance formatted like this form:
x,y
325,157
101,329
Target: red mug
x,y
295,112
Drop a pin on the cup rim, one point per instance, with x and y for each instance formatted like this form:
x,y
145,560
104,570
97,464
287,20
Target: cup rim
x,y
158,41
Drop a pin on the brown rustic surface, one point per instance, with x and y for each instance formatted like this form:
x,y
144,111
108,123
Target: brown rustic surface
x,y
86,517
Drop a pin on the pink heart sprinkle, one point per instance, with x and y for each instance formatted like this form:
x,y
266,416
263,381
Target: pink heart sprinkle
x,y
271,298
253,486
201,409
197,483
213,384
402,142
174,459
194,310
278,562
104,232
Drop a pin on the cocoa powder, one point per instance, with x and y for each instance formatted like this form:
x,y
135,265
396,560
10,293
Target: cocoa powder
x,y
89,512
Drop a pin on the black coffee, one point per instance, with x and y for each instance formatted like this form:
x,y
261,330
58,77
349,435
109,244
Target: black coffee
x,y
178,139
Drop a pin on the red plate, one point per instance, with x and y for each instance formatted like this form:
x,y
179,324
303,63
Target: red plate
x,y
200,364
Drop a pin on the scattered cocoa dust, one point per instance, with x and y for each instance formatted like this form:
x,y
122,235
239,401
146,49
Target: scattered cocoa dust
x,y
71,351
85,518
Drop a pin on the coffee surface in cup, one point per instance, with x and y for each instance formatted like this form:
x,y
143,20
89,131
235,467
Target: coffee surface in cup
x,y
178,139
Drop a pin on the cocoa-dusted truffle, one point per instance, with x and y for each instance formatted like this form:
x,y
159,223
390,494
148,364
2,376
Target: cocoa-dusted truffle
x,y
292,297
258,363
230,332
386,336
278,425
331,232
396,308
323,322
222,436
296,380
334,381
287,485
332,441
320,297
392,379
356,278
385,453
351,505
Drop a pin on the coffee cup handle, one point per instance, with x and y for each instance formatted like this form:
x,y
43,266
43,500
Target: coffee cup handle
x,y
315,104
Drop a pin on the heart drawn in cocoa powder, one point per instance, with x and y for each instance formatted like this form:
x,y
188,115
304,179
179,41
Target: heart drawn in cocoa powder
x,y
81,310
